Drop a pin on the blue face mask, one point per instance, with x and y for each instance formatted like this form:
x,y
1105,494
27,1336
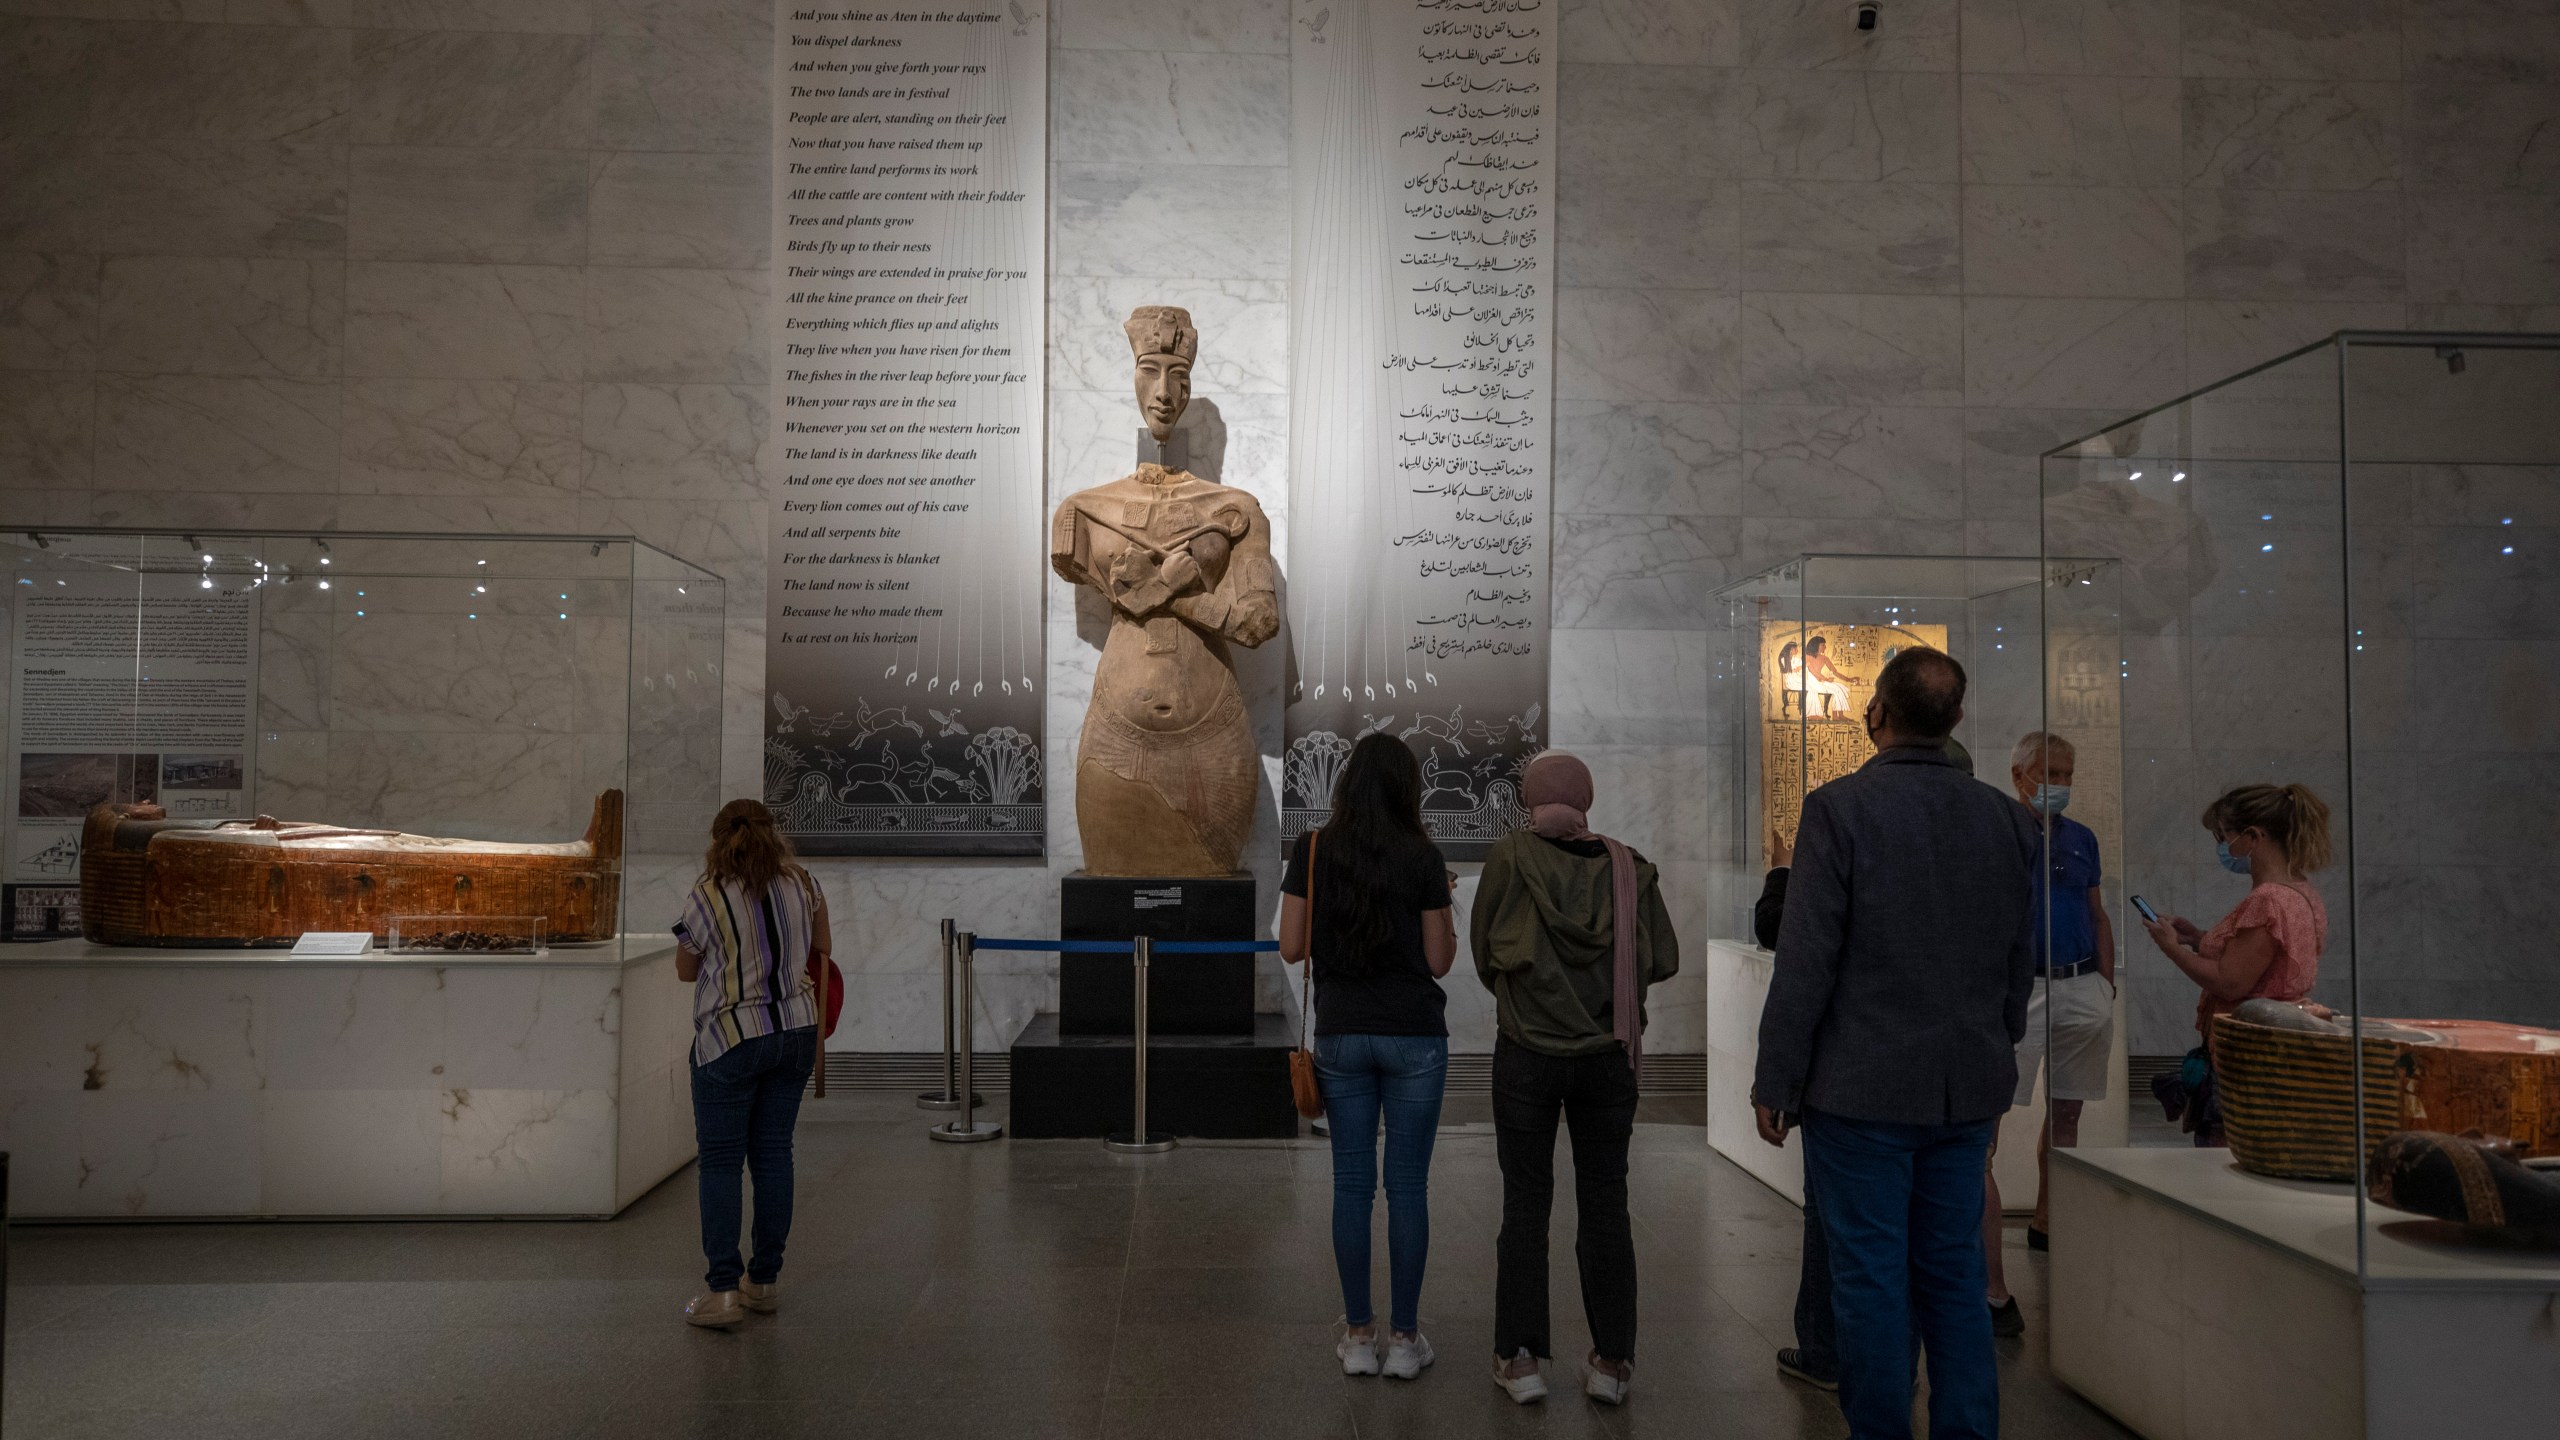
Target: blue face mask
x,y
2052,799
2236,864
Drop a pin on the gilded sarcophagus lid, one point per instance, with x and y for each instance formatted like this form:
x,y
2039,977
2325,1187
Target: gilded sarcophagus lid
x,y
146,879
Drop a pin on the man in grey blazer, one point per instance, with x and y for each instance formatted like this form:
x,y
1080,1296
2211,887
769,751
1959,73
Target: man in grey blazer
x,y
1900,994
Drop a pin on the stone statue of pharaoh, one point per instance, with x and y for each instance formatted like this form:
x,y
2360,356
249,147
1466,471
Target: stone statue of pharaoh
x,y
1167,769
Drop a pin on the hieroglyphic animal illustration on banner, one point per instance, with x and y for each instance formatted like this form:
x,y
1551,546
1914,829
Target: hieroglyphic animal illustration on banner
x,y
1815,681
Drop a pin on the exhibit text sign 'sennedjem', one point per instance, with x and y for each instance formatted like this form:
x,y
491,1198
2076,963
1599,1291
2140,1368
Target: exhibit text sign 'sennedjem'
x,y
1422,163
902,652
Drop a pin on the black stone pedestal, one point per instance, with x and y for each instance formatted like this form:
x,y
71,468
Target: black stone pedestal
x,y
1217,1087
1186,994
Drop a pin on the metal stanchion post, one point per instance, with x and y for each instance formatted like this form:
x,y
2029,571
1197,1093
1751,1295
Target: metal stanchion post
x,y
948,1097
966,1129
1140,1140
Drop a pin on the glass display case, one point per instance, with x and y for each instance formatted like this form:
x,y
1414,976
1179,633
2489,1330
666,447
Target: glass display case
x,y
2335,569
554,702
1801,646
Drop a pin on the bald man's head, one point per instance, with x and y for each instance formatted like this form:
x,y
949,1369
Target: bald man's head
x,y
1921,693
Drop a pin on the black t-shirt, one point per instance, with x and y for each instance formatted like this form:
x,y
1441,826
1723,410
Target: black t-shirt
x,y
1399,996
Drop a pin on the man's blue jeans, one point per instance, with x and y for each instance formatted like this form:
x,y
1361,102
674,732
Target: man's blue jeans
x,y
744,1105
1902,1214
1403,1075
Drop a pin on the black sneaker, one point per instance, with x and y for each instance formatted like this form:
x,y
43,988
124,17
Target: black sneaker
x,y
1791,1362
2038,1239
2007,1319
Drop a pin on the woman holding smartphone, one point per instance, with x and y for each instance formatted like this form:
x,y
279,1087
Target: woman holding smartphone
x,y
1367,896
2269,946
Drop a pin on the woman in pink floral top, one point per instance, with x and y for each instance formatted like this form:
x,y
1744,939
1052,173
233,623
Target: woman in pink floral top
x,y
2269,946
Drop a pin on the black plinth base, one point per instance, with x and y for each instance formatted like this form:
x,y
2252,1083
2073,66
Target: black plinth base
x,y
1216,1087
1186,994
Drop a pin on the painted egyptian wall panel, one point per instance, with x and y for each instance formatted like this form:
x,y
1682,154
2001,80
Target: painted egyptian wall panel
x,y
1815,681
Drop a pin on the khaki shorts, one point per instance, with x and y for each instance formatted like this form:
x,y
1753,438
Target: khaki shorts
x,y
2082,1009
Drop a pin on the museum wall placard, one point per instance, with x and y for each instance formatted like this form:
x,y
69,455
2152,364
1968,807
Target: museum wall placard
x,y
1422,385
903,631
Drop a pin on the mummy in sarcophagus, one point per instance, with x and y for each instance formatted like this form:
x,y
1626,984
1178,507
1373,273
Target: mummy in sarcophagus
x,y
146,879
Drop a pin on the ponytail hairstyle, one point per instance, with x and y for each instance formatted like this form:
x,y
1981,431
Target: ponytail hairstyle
x,y
1366,849
746,847
2290,815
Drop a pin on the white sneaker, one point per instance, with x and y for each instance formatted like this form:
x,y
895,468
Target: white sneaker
x,y
1604,1387
1407,1359
1359,1353
1521,1381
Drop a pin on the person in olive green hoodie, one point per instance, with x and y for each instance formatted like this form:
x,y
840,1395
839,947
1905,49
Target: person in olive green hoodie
x,y
1568,984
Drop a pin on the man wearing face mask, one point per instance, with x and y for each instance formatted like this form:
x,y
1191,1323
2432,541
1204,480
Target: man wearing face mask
x,y
2072,1011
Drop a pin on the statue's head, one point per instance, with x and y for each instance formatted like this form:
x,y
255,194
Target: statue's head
x,y
1163,342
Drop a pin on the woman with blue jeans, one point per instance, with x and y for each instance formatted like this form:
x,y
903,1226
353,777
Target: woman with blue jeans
x,y
1368,897
744,941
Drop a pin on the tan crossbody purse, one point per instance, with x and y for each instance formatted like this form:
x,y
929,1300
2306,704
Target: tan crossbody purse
x,y
1302,1061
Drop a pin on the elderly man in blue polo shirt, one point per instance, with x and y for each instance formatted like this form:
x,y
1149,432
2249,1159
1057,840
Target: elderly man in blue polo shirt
x,y
2071,1015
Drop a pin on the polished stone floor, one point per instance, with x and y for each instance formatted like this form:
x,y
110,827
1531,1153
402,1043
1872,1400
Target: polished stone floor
x,y
1014,1290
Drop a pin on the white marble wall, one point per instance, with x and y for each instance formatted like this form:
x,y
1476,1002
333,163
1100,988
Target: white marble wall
x,y
407,264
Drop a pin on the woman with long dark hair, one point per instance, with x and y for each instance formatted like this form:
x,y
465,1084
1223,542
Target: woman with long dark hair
x,y
1368,897
744,941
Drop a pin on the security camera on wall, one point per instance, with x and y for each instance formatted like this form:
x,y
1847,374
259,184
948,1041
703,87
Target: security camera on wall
x,y
1867,13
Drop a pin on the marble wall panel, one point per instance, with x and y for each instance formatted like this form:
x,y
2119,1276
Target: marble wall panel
x,y
220,197
491,437
2483,137
1154,220
235,82
512,785
2071,241
1639,572
2502,246
1652,32
217,433
46,70
2120,355
2003,468
2071,130
2225,337
356,1029
1853,462
1672,231
47,185
1850,349
1646,120
398,671
534,1028
1828,125
2293,134
1155,107
49,311
696,443
1635,688
219,316
1891,238
1235,27
1634,344
1647,459
678,326
165,1153
710,210
2479,40
681,87
1812,35
2279,39
564,17
349,1152
479,88
477,322
520,1151
47,427
2071,37
470,205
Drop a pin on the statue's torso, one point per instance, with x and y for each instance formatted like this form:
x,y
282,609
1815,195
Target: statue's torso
x,y
1162,673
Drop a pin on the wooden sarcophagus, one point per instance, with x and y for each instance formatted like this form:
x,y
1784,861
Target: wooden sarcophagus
x,y
2288,1092
146,879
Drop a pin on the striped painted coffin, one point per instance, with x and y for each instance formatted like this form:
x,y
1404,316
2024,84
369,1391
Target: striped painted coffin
x,y
2288,1098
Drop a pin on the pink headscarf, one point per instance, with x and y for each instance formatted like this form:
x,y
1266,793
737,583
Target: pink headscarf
x,y
1557,789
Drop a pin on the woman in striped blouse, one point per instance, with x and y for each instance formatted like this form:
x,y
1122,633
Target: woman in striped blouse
x,y
744,942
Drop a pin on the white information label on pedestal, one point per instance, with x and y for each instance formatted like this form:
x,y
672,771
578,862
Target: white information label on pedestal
x,y
333,944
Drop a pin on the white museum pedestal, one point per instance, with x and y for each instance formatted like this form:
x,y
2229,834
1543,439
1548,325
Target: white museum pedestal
x,y
2195,1302
1738,985
154,1084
